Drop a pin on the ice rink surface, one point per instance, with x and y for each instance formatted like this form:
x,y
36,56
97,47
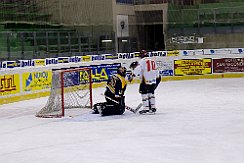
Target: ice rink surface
x,y
197,121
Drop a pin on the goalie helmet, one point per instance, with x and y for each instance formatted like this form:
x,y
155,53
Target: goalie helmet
x,y
121,71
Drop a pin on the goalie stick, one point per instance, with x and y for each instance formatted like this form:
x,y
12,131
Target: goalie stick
x,y
126,107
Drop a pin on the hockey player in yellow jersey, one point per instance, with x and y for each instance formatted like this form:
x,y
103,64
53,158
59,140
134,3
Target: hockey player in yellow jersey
x,y
114,95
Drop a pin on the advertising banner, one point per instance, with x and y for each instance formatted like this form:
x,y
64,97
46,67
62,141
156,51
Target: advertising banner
x,y
98,57
126,55
36,80
24,63
63,59
165,68
9,64
157,54
9,84
110,56
228,65
86,58
51,61
237,50
137,54
191,52
192,67
76,78
217,51
173,53
75,59
38,62
102,72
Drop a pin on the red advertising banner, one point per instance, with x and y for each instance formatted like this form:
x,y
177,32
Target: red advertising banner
x,y
228,65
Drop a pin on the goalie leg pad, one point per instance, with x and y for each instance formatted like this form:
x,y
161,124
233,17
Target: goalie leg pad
x,y
114,108
98,107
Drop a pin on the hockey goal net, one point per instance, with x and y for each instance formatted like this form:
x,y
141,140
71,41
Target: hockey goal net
x,y
71,89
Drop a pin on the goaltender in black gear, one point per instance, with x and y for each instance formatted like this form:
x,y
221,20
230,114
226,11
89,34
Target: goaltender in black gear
x,y
114,95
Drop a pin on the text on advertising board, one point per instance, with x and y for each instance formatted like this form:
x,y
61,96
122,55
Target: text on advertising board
x,y
192,67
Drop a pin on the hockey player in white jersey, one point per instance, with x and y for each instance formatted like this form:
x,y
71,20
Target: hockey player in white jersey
x,y
146,71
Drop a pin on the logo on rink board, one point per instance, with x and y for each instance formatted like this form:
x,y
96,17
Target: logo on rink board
x,y
192,67
86,58
126,55
9,84
101,73
158,54
224,65
98,57
36,80
165,68
38,62
50,61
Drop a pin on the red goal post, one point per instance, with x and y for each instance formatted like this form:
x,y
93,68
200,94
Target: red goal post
x,y
71,88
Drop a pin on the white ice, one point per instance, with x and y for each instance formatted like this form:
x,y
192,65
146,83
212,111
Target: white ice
x,y
197,121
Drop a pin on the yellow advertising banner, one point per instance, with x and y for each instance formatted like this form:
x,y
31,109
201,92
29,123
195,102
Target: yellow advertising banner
x,y
173,53
39,62
86,58
192,67
34,81
9,84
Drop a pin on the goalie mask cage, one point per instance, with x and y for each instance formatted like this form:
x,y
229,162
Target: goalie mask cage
x,y
71,88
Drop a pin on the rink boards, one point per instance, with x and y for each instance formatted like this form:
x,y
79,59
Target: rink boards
x,y
24,83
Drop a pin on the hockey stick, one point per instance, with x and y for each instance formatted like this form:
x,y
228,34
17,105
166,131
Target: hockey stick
x,y
126,107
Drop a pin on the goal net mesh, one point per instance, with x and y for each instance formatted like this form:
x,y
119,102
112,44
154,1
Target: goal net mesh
x,y
70,89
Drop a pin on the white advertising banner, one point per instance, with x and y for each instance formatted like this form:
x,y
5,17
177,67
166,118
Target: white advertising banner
x,y
191,52
237,50
217,51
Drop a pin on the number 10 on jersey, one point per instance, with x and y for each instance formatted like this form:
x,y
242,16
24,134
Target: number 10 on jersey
x,y
151,65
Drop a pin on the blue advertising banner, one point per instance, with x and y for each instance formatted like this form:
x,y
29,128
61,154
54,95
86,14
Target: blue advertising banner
x,y
101,73
73,78
166,72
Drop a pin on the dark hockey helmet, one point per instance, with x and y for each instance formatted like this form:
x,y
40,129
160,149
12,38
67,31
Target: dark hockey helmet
x,y
143,53
121,71
133,65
